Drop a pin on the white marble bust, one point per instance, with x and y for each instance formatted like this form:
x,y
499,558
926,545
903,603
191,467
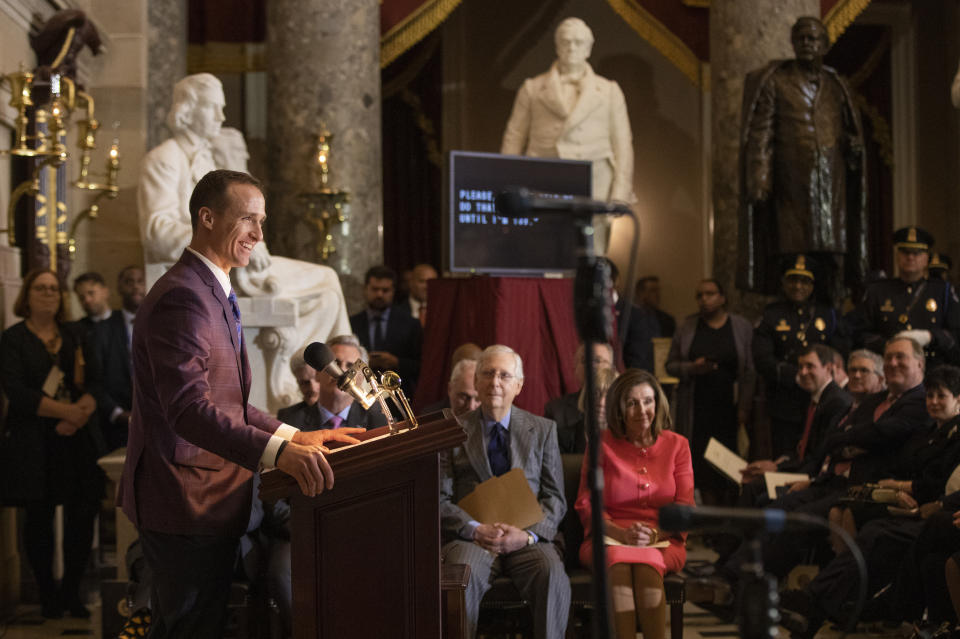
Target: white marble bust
x,y
571,112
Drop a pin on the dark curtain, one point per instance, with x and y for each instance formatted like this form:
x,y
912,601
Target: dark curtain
x,y
412,161
530,315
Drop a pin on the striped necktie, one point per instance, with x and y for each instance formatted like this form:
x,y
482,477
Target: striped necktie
x,y
232,298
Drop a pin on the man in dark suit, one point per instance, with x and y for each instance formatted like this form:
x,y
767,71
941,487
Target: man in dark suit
x,y
827,404
91,289
500,437
648,296
109,343
194,440
392,337
416,303
565,411
324,405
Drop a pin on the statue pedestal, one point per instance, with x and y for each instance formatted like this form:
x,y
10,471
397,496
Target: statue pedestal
x,y
270,332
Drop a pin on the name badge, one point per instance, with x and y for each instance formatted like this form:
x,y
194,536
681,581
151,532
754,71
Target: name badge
x,y
52,384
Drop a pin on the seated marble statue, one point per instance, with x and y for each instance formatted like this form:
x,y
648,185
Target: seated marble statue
x,y
168,175
571,112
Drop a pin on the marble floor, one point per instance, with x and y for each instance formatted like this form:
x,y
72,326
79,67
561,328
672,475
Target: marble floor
x,y
697,624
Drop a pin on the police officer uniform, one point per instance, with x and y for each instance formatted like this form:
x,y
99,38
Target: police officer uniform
x,y
783,332
893,305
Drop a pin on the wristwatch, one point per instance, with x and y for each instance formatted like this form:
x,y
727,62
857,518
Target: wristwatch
x,y
530,540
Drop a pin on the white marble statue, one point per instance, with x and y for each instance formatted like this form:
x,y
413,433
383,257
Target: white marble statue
x,y
168,175
571,112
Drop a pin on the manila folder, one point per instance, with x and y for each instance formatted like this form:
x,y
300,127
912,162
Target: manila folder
x,y
506,499
725,460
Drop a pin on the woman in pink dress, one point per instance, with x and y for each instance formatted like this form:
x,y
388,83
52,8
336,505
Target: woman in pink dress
x,y
645,465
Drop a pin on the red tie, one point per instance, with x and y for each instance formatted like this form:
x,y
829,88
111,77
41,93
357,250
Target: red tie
x,y
882,407
802,445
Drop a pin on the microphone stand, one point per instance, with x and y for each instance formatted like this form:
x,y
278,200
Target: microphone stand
x,y
594,320
590,295
758,599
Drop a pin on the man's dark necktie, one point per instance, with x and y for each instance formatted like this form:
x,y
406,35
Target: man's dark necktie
x,y
498,450
232,298
378,332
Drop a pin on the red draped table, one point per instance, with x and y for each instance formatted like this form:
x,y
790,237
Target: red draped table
x,y
533,316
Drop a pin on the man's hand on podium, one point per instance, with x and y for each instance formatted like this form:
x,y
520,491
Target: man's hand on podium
x,y
308,466
320,437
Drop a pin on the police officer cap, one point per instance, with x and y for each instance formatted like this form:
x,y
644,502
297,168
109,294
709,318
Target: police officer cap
x,y
941,262
912,238
799,264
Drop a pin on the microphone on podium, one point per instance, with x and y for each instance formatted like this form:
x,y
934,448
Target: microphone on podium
x,y
319,356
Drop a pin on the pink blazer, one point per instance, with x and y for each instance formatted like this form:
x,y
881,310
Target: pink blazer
x,y
194,441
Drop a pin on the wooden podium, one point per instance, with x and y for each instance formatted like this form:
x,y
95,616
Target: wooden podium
x,y
366,554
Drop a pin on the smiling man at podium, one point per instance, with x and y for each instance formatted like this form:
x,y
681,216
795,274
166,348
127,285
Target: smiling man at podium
x,y
194,440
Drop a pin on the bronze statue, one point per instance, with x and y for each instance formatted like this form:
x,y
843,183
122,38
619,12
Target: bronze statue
x,y
802,169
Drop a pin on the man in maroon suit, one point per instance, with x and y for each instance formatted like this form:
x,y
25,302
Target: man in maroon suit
x,y
194,441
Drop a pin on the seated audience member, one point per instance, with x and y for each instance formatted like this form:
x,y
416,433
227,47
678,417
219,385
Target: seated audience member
x,y
827,403
305,412
648,295
461,390
467,350
711,356
921,473
501,436
603,382
392,337
324,405
109,348
638,436
920,469
566,410
839,371
416,302
857,451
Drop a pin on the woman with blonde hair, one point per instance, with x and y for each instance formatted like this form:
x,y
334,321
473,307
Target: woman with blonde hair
x,y
645,466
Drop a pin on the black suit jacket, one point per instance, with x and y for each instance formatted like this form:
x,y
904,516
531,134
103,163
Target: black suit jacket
x,y
570,422
307,418
833,405
111,383
881,439
638,342
403,338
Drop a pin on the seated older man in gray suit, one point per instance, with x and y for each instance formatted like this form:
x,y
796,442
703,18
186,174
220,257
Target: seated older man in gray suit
x,y
501,436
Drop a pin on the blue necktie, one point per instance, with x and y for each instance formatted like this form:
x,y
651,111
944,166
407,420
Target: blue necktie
x,y
232,298
498,450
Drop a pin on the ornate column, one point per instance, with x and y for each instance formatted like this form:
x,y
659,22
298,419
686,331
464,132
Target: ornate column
x,y
323,64
743,36
167,62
